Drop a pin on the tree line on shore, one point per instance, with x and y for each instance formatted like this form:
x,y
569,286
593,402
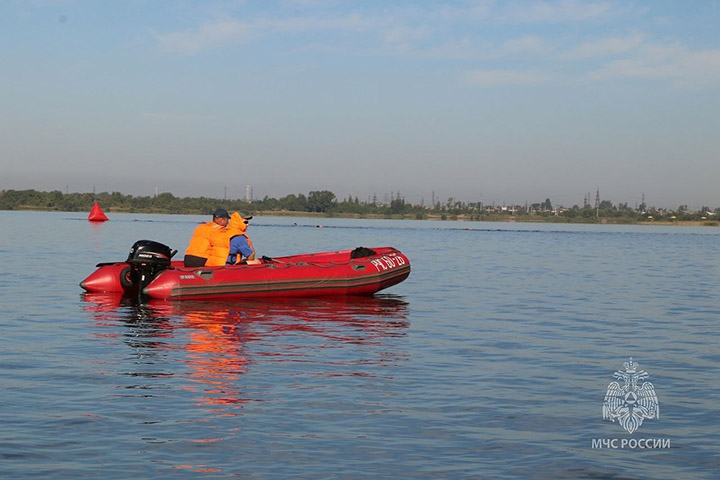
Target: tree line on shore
x,y
325,202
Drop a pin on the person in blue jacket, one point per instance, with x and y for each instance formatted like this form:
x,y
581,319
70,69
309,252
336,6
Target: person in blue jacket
x,y
241,247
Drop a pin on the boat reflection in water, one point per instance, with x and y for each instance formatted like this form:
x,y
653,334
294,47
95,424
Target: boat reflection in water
x,y
206,348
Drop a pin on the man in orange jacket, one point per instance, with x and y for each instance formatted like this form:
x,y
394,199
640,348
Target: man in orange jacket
x,y
223,243
199,249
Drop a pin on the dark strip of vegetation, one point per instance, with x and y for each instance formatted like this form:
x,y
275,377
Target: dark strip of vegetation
x,y
325,203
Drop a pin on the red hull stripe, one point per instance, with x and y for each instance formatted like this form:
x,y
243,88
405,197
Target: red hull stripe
x,y
314,285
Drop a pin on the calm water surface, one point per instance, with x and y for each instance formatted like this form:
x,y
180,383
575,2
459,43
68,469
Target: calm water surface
x,y
491,361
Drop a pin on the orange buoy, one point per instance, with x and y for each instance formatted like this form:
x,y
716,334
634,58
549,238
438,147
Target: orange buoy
x,y
96,214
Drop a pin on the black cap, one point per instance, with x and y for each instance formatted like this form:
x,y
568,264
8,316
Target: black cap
x,y
221,212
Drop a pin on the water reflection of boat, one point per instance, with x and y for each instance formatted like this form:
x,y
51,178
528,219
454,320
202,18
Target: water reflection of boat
x,y
211,341
383,308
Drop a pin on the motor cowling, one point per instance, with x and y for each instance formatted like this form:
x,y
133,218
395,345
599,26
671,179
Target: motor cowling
x,y
150,252
147,258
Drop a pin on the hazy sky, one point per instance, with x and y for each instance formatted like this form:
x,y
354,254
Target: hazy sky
x,y
504,101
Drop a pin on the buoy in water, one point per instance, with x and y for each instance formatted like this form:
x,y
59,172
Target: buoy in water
x,y
96,214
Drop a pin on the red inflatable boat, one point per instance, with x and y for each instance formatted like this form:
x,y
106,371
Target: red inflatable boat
x,y
149,272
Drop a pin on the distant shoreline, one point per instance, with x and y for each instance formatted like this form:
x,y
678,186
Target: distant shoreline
x,y
324,204
434,217
499,218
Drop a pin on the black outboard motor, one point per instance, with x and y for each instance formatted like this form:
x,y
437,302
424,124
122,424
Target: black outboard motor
x,y
147,258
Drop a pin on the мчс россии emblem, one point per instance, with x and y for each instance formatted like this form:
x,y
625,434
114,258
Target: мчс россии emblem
x,y
628,403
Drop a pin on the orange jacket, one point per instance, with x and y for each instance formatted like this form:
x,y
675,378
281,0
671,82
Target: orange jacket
x,y
220,240
200,241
